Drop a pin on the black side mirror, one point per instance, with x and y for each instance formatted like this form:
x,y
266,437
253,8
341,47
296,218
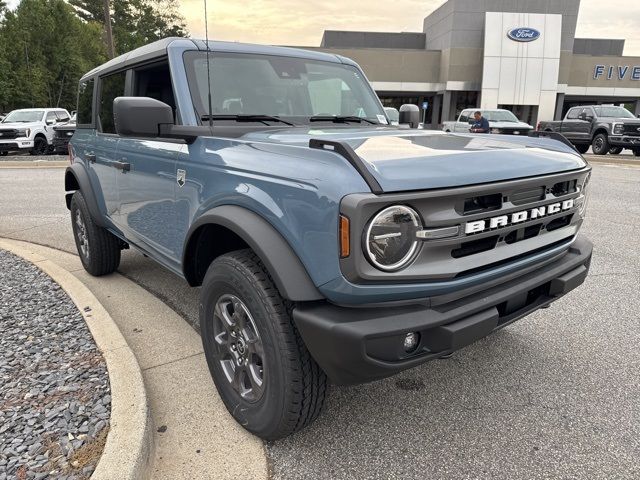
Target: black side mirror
x,y
409,115
582,116
140,116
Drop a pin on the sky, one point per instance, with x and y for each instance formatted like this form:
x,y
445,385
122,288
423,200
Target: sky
x,y
302,22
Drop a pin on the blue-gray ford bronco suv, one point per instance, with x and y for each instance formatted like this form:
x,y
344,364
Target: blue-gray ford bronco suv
x,y
328,244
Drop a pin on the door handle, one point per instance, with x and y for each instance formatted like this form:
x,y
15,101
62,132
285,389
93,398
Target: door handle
x,y
90,156
124,166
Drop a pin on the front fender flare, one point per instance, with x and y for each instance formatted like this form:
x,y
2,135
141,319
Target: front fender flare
x,y
286,269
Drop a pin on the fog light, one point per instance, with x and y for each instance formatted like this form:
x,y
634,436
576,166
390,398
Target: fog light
x,y
411,342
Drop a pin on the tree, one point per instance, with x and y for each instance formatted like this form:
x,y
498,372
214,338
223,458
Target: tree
x,y
44,50
135,22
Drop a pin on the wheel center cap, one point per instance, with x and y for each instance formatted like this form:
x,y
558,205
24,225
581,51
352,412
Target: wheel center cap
x,y
241,346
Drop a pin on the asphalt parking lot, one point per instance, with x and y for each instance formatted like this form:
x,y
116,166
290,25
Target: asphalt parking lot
x,y
555,395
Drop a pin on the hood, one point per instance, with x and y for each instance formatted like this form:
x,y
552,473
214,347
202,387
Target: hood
x,y
402,160
509,125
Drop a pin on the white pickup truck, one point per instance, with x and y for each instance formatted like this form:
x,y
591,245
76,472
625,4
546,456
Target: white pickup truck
x,y
500,121
30,129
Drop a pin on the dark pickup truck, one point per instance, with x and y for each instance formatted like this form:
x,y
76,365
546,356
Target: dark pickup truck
x,y
605,128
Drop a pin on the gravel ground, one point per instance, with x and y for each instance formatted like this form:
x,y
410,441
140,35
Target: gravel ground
x,y
54,388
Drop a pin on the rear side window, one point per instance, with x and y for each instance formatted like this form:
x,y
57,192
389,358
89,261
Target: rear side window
x,y
85,103
110,88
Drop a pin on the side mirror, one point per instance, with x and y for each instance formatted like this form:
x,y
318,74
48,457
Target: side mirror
x,y
582,116
409,114
51,122
140,116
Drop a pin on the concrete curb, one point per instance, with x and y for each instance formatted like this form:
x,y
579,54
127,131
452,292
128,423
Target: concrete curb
x,y
129,443
612,160
34,164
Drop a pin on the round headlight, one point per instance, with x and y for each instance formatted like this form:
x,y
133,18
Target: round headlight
x,y
391,242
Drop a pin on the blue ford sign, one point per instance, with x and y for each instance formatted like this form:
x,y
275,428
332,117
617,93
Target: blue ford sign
x,y
522,34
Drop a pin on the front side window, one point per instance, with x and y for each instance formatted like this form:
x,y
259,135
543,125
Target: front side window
x,y
24,116
85,103
52,118
464,117
291,88
111,87
573,113
613,112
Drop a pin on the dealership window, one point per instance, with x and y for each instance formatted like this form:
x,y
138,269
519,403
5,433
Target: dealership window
x,y
111,87
85,103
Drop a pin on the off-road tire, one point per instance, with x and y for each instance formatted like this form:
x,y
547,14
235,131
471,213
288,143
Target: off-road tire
x,y
40,146
600,144
615,150
102,256
293,384
582,148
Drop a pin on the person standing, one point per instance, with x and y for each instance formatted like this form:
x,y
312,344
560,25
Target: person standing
x,y
481,124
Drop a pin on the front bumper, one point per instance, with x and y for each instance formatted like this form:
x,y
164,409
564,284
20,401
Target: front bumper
x,y
356,345
13,145
60,144
625,141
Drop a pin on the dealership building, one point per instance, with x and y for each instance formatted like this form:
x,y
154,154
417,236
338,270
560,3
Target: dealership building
x,y
516,54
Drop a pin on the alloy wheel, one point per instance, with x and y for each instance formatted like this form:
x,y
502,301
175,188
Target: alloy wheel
x,y
81,234
239,347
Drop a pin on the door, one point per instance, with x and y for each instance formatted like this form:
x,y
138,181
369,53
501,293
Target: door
x,y
462,124
570,126
102,154
583,131
147,175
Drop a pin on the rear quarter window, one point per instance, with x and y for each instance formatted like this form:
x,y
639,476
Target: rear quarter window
x,y
85,103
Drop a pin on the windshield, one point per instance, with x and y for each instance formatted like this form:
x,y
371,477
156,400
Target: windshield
x,y
500,116
24,116
613,112
294,89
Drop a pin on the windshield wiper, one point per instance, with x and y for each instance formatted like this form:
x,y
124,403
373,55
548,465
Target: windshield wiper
x,y
341,119
247,118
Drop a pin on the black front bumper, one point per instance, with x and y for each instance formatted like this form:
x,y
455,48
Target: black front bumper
x,y
626,141
356,345
9,147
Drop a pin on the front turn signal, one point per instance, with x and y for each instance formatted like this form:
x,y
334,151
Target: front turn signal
x,y
345,243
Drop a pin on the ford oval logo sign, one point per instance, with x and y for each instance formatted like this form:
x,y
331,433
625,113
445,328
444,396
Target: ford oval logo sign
x,y
522,34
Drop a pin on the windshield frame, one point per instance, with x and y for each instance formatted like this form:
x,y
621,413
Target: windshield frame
x,y
39,119
600,108
189,61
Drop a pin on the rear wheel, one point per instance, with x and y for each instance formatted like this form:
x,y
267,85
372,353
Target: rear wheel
x,y
99,249
600,144
615,150
263,372
582,148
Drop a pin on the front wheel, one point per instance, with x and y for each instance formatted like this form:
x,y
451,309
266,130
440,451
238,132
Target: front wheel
x,y
40,146
263,372
615,150
99,250
600,144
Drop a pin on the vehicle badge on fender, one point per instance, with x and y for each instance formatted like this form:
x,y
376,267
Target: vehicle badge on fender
x,y
517,217
523,34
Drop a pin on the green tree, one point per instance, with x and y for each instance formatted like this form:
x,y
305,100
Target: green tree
x,y
135,22
45,49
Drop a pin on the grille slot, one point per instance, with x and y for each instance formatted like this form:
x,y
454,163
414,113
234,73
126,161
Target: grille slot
x,y
475,246
482,203
531,195
563,188
523,234
559,223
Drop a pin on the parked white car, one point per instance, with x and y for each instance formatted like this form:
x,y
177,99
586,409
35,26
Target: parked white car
x,y
500,121
30,129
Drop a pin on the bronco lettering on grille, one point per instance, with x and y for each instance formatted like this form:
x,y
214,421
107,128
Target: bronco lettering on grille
x,y
517,217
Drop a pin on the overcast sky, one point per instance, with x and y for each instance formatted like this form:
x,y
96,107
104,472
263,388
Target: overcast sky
x,y
296,22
